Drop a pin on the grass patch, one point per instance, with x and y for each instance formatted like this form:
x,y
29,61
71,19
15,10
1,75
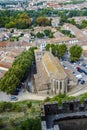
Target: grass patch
x,y
15,113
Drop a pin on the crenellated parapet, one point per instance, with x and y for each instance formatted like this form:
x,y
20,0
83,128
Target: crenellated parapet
x,y
50,108
52,113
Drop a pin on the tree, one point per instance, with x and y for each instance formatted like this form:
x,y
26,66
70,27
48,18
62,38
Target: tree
x,y
23,21
53,48
31,124
29,104
47,47
84,23
10,25
51,35
43,21
18,72
40,35
47,32
67,32
1,124
73,21
75,52
12,31
58,50
19,20
9,82
61,49
63,20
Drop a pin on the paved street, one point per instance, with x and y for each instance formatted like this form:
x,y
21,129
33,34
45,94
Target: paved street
x,y
22,96
4,96
31,96
81,89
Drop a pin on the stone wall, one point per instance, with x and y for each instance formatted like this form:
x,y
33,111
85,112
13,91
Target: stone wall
x,y
71,113
73,124
67,107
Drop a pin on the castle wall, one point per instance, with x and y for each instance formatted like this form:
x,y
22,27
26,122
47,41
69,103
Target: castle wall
x,y
73,124
72,115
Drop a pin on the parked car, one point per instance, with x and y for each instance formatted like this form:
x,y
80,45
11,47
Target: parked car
x,y
13,98
79,76
65,67
82,82
83,64
85,72
79,69
80,64
79,80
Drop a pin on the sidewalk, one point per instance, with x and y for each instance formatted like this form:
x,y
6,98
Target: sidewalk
x,y
30,96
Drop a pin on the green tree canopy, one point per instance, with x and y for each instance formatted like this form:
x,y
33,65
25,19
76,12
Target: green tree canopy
x,y
75,52
18,71
53,48
11,24
40,35
61,49
47,32
23,21
72,21
58,50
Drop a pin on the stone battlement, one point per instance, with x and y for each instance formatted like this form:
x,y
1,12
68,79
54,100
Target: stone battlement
x,y
67,107
72,110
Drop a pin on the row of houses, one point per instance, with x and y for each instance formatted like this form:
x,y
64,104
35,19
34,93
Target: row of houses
x,y
57,6
5,35
75,31
8,53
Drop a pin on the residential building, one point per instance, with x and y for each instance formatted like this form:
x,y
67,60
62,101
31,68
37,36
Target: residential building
x,y
84,51
78,19
75,31
55,21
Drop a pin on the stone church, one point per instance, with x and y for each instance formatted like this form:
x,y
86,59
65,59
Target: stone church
x,y
51,77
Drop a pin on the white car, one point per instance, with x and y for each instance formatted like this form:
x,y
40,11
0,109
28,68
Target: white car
x,y
79,76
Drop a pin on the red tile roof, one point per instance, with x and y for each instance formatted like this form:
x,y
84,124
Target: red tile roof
x,y
5,64
3,44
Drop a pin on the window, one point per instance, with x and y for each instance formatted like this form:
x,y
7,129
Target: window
x,y
60,85
57,84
